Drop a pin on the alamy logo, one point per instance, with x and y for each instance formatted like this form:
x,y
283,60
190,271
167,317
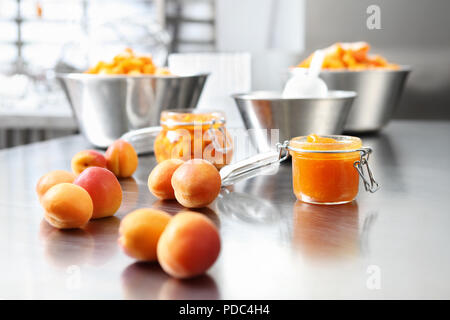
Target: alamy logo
x,y
373,21
73,282
374,280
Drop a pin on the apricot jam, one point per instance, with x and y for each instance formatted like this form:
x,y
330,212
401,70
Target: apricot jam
x,y
186,135
323,169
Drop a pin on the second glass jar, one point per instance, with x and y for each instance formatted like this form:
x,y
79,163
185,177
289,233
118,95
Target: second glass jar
x,y
189,134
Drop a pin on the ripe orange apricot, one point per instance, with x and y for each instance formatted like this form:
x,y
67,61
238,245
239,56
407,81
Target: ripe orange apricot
x,y
189,245
121,159
52,178
67,206
160,179
104,189
140,231
196,183
87,158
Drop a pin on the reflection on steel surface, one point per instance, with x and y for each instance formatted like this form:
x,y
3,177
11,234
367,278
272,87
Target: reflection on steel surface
x,y
246,207
142,280
326,231
93,245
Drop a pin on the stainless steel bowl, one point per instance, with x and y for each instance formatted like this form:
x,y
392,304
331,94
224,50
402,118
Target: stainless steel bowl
x,y
379,92
292,117
107,106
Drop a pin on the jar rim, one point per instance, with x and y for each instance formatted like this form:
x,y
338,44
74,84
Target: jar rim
x,y
217,117
344,144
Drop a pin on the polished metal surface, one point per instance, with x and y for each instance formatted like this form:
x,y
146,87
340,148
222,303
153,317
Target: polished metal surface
x,y
379,92
391,244
107,106
262,111
143,139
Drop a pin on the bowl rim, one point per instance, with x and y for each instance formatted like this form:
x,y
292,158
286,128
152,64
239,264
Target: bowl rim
x,y
90,76
339,94
401,69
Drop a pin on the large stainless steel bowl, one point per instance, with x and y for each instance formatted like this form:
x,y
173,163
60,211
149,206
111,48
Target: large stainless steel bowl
x,y
379,92
107,106
263,111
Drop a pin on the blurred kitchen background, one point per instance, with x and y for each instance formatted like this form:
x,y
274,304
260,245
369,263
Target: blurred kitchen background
x,y
41,37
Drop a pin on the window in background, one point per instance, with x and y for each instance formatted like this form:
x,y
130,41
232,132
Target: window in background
x,y
192,25
35,33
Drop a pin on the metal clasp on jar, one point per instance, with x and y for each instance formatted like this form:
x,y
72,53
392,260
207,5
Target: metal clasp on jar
x,y
227,144
362,166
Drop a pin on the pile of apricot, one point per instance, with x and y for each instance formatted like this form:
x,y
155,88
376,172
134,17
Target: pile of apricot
x,y
92,191
128,63
350,56
185,245
194,183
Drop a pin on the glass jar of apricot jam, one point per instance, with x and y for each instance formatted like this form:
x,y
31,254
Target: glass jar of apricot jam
x,y
188,134
326,169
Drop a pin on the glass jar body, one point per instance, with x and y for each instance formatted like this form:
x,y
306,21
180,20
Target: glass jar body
x,y
325,173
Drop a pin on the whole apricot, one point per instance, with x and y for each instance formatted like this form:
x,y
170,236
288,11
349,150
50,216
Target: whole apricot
x,y
160,179
196,183
104,189
189,245
52,178
140,231
67,206
121,159
87,158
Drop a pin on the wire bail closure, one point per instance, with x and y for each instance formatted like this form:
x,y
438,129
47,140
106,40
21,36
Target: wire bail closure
x,y
369,182
282,147
215,138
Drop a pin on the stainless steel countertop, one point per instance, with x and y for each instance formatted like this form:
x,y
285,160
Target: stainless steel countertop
x,y
40,118
391,244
